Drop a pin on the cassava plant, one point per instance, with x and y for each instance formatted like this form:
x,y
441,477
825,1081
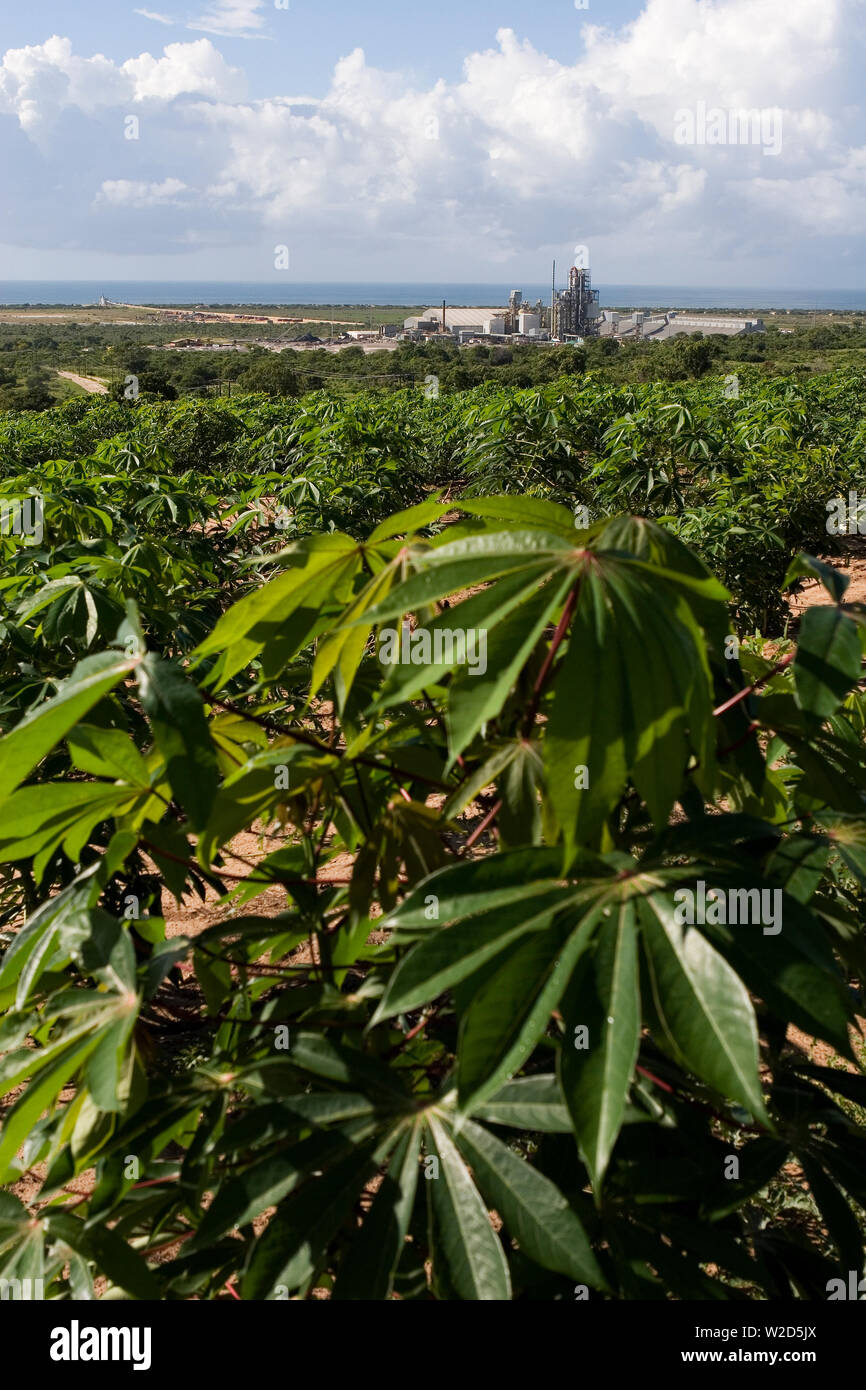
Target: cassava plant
x,y
546,967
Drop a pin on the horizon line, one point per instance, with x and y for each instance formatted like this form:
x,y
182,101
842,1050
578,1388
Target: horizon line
x,y
269,284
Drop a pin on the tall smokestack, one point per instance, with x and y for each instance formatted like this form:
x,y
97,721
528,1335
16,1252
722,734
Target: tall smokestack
x,y
553,303
444,328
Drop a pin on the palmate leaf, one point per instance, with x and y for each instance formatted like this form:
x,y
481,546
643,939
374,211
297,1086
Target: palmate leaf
x,y
517,972
488,772
410,519
65,911
511,1009
476,1261
476,697
20,1239
251,792
532,1207
453,565
35,820
108,1072
833,580
123,1265
38,732
550,516
450,955
315,568
521,791
266,1181
704,1011
604,998
842,1224
513,602
319,1055
37,1098
462,890
306,562
177,716
487,940
612,718
343,647
107,753
827,664
794,971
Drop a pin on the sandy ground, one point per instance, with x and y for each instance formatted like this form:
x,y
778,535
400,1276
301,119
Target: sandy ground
x,y
852,563
90,384
193,916
209,315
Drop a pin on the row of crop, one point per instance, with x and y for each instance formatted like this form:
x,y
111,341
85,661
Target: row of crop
x,y
497,435
745,480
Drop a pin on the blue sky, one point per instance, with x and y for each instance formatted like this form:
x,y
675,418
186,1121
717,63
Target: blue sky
x,y
466,139
299,46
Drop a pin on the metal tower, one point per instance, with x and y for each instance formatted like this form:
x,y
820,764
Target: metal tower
x,y
576,309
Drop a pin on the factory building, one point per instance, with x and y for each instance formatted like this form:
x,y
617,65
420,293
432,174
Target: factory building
x,y
462,321
491,322
661,326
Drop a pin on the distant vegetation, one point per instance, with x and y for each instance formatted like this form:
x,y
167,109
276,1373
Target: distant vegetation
x,y
31,351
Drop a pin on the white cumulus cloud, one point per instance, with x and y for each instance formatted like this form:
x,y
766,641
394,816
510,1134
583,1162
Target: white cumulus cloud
x,y
183,70
523,154
138,194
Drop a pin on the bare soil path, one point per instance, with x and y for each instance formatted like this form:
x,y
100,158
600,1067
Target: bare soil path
x,y
91,384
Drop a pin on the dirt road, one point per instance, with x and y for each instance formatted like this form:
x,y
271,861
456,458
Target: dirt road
x,y
88,383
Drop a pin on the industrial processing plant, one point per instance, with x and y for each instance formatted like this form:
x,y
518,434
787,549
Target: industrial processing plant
x,y
572,316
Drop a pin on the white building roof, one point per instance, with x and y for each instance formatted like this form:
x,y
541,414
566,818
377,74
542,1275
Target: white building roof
x,y
463,318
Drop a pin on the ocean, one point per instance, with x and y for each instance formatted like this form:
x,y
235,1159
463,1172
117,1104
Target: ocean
x,y
211,292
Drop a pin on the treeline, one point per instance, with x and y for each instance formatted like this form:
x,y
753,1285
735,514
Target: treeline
x,y
294,372
28,365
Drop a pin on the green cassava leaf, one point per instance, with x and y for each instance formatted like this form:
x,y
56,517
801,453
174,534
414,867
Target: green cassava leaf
x,y
529,1102
176,712
533,1209
36,734
475,1258
704,1010
828,660
512,1005
603,999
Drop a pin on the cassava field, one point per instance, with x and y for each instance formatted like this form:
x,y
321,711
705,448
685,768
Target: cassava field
x,y
432,845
